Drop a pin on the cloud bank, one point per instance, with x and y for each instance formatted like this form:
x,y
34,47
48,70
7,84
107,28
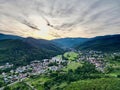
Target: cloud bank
x,y
51,19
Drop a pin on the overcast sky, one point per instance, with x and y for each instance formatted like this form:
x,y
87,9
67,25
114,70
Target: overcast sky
x,y
51,19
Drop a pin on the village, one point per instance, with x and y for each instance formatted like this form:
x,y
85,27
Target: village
x,y
38,67
94,57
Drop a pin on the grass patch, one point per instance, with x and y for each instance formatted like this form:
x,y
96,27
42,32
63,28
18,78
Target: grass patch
x,y
37,82
72,65
71,55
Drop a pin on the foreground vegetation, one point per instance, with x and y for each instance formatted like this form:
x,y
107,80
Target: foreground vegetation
x,y
18,86
95,84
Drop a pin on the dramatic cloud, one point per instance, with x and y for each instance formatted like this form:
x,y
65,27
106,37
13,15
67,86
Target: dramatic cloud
x,y
59,18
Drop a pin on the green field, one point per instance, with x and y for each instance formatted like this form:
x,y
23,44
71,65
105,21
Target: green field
x,y
37,81
72,65
71,55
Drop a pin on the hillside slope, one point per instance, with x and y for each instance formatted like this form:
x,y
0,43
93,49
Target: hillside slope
x,y
95,84
21,52
102,43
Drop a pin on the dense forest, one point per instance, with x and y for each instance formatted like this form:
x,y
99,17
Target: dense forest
x,y
110,43
19,52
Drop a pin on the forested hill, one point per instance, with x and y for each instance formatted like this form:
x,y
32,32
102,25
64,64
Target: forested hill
x,y
102,43
20,52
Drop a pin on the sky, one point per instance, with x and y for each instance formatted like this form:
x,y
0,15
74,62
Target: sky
x,y
51,19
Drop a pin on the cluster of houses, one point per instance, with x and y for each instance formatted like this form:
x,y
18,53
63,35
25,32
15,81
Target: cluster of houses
x,y
10,78
34,68
7,65
94,57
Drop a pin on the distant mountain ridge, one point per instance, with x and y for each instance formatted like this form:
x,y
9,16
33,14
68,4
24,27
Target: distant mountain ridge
x,y
5,36
38,43
69,42
102,43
